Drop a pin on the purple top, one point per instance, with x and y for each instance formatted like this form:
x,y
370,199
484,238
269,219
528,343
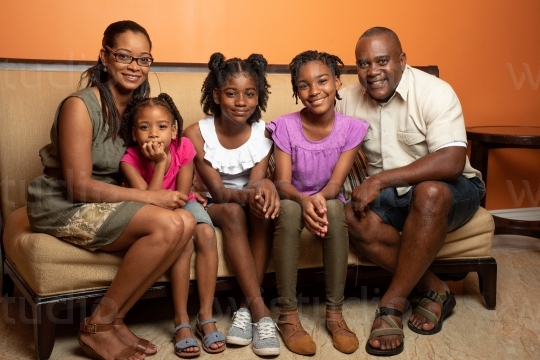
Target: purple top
x,y
313,161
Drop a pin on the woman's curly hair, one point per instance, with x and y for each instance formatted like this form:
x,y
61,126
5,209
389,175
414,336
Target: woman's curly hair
x,y
222,70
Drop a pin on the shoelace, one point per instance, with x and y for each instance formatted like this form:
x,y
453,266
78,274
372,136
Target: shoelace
x,y
266,330
241,320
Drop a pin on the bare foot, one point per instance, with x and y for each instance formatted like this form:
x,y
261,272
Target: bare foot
x,y
387,342
421,322
107,345
129,338
207,329
183,334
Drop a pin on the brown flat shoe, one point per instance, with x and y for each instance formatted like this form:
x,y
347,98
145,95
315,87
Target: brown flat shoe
x,y
345,344
142,345
93,353
303,345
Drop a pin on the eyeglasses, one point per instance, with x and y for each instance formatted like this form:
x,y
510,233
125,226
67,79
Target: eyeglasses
x,y
124,58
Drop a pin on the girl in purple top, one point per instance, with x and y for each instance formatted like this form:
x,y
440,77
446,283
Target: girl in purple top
x,y
314,151
160,158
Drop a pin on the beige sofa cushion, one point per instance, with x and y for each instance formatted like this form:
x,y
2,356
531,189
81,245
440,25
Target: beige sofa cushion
x,y
51,266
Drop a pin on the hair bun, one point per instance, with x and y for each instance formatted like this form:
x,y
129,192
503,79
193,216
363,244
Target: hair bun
x,y
258,62
217,62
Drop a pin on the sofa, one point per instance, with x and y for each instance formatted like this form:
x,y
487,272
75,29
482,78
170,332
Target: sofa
x,y
55,276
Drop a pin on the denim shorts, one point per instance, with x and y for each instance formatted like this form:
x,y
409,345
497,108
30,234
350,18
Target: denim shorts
x,y
466,195
198,212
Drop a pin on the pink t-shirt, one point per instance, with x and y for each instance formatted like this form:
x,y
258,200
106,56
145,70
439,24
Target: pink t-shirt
x,y
313,161
180,156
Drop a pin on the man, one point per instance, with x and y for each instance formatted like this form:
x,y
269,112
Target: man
x,y
420,183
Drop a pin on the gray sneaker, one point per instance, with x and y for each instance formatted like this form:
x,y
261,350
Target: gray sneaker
x,y
265,341
240,332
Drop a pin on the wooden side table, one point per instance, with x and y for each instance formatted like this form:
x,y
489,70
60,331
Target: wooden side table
x,y
484,138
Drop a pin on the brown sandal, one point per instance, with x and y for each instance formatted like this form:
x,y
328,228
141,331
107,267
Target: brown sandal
x,y
345,344
142,344
303,345
92,353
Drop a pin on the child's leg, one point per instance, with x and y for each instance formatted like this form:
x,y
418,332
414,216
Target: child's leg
x,y
206,265
232,220
287,231
260,243
335,255
180,290
288,227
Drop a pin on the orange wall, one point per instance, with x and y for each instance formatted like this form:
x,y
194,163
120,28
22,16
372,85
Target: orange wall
x,y
487,50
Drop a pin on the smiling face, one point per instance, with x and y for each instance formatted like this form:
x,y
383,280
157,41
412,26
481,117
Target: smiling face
x,y
154,123
238,98
127,77
317,87
380,64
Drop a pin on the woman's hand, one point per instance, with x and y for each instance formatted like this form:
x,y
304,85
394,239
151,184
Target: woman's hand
x,y
314,214
154,151
264,200
167,199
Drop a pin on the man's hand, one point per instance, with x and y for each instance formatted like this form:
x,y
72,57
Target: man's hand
x,y
364,194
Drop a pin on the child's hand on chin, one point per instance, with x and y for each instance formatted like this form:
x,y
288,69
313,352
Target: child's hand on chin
x,y
154,151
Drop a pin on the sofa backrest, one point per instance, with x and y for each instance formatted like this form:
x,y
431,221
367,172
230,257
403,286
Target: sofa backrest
x,y
28,102
29,98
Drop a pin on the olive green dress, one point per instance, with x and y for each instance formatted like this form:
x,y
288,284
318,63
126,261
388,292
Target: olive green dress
x,y
51,211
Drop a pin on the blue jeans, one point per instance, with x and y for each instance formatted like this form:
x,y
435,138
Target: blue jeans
x,y
466,195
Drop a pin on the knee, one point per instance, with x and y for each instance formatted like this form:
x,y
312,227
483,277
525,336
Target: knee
x,y
335,210
431,197
289,210
205,237
233,216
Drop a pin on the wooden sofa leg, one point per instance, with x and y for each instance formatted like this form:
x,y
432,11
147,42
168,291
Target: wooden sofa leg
x,y
487,279
8,286
44,329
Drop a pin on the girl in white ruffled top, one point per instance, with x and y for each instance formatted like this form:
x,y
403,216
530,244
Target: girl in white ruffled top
x,y
231,163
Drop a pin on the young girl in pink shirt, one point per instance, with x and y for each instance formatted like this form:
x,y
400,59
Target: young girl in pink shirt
x,y
160,158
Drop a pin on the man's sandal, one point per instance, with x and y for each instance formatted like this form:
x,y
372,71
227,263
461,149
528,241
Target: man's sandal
x,y
446,301
345,344
394,329
211,338
142,344
304,345
92,352
183,344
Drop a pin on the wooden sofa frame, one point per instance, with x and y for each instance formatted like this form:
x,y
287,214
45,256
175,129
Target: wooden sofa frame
x,y
46,309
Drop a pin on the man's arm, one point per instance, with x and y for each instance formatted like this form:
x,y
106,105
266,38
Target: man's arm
x,y
445,164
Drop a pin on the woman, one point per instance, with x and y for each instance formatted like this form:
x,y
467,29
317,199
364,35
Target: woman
x,y
79,198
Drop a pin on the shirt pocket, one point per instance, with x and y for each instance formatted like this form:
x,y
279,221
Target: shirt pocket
x,y
413,143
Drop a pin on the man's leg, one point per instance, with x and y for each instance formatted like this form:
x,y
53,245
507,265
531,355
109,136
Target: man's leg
x,y
408,256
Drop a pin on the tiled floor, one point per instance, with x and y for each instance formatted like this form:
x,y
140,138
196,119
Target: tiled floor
x,y
471,332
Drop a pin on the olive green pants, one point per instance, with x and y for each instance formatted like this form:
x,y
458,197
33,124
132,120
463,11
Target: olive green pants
x,y
335,247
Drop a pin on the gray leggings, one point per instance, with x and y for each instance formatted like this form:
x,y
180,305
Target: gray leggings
x,y
288,227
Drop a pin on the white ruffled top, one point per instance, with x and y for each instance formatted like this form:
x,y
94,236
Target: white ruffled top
x,y
234,165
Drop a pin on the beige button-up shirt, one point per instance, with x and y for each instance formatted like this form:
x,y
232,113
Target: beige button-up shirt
x,y
423,116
